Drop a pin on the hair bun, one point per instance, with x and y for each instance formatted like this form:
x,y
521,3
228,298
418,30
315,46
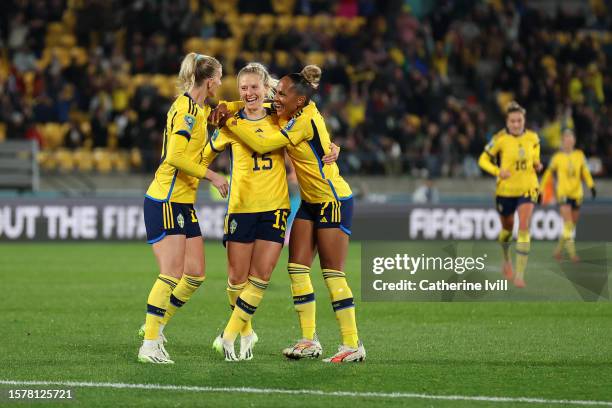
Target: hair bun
x,y
312,74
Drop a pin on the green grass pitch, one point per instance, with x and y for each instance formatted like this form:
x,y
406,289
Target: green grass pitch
x,y
70,312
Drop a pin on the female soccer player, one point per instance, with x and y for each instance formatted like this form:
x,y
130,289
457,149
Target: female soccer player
x,y
517,184
323,221
170,219
255,224
570,169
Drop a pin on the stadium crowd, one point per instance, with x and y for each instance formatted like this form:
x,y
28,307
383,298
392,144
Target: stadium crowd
x,y
415,88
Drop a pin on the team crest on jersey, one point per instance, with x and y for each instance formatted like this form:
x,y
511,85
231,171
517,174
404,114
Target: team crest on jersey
x,y
181,220
521,152
258,130
189,122
233,226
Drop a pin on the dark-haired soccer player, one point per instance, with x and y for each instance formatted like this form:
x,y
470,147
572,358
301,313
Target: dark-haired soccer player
x,y
513,156
170,219
568,166
323,222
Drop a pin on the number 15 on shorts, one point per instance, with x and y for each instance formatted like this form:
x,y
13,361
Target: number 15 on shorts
x,y
281,219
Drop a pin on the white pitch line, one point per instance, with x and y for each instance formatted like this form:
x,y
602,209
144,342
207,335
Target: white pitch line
x,y
249,390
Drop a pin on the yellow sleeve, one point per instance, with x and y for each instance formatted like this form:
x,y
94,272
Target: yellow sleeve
x,y
185,119
536,149
485,161
176,157
297,130
260,143
216,144
586,173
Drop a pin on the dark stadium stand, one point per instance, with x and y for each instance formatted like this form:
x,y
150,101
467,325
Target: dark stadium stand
x,y
409,87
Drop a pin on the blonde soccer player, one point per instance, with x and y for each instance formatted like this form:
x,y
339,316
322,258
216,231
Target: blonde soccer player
x,y
513,157
323,222
170,218
258,206
569,168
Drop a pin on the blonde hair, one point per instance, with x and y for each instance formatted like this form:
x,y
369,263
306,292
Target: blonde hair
x,y
260,70
312,75
195,68
514,106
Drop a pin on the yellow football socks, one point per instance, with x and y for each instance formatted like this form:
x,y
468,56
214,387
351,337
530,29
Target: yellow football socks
x,y
505,238
523,245
343,305
246,305
157,303
233,291
181,294
568,238
303,298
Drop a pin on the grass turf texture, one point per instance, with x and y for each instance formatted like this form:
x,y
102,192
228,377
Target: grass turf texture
x,y
71,312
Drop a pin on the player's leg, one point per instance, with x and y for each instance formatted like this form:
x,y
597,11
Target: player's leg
x,y
505,208
565,210
169,253
193,266
302,250
332,234
523,244
571,243
264,259
239,256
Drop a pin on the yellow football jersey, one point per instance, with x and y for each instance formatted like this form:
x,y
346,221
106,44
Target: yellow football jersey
x,y
570,170
517,154
179,173
258,182
306,138
310,141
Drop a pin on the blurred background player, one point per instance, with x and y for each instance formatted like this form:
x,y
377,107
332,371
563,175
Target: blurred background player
x,y
323,221
513,156
569,169
170,219
257,211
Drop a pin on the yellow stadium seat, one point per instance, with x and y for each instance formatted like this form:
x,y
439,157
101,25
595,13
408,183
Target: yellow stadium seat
x,y
2,132
195,44
247,20
284,23
46,160
102,160
315,57
121,161
301,23
135,158
83,159
64,159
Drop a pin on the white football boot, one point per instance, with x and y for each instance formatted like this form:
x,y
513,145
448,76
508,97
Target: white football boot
x,y
151,352
247,343
304,348
225,347
347,354
162,340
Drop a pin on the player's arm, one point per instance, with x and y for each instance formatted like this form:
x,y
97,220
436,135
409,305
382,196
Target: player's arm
x,y
537,164
587,177
272,140
486,161
177,145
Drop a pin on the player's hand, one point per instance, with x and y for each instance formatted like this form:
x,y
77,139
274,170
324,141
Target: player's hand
x,y
219,116
220,184
538,167
332,156
504,174
593,193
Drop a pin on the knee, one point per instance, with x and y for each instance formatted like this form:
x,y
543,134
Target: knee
x,y
262,272
235,277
